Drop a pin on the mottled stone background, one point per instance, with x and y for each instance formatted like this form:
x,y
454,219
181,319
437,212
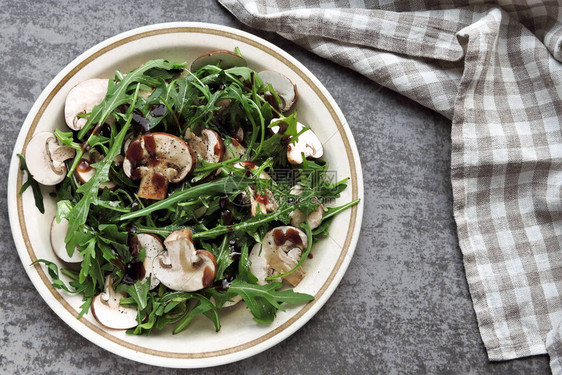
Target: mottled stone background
x,y
403,305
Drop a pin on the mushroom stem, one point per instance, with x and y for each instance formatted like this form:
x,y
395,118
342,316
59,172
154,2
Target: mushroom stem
x,y
183,268
153,185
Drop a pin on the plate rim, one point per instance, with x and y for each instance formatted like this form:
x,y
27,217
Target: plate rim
x,y
134,352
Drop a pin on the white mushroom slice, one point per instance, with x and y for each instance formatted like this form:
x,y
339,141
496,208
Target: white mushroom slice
x,y
298,217
107,310
45,158
234,150
183,268
223,59
208,146
314,218
279,252
307,143
58,233
158,159
152,246
283,86
84,170
81,99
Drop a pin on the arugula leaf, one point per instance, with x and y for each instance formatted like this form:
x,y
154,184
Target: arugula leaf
x,y
138,292
79,213
67,139
244,273
117,93
228,101
223,259
264,300
204,306
37,196
249,225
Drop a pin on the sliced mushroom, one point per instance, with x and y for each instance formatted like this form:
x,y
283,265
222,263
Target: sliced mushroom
x,y
152,246
84,170
45,158
283,86
279,252
221,58
298,217
58,234
157,159
183,268
307,143
81,99
314,218
208,146
107,310
234,150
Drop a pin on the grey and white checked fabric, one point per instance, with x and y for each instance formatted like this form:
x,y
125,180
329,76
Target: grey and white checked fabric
x,y
493,68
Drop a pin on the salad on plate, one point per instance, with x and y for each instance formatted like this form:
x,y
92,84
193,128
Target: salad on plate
x,y
182,191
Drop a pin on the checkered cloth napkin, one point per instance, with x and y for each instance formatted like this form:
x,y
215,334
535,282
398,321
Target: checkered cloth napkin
x,y
494,69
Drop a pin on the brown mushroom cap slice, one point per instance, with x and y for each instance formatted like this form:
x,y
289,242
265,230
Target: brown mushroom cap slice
x,y
81,99
152,246
279,252
223,59
157,159
283,86
208,146
58,233
45,158
307,143
84,170
107,310
183,268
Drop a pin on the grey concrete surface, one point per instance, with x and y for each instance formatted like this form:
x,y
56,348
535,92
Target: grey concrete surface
x,y
403,305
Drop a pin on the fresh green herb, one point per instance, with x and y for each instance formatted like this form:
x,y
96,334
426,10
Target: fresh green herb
x,y
34,185
229,203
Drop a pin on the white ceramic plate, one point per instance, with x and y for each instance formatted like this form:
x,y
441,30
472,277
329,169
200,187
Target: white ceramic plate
x,y
240,337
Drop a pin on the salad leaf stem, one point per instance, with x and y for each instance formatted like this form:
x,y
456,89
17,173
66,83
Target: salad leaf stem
x,y
220,186
332,211
246,226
